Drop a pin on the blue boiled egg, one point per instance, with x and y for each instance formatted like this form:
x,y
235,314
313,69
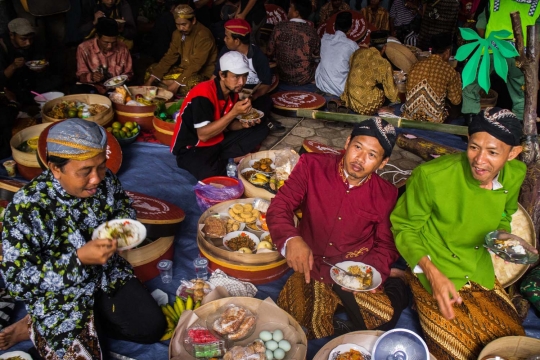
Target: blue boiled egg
x,y
277,335
271,345
285,345
265,336
269,355
279,354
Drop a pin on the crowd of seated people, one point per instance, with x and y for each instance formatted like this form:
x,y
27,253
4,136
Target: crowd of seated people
x,y
207,52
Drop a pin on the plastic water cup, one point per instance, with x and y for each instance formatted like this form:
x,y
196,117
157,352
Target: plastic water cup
x,y
10,167
165,270
201,268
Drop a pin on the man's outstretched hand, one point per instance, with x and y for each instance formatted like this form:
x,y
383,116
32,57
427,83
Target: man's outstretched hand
x,y
299,256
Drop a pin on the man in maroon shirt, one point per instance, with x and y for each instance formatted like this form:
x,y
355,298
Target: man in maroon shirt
x,y
346,208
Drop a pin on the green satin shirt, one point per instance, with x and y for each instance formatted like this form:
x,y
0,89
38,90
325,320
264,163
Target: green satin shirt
x,y
445,214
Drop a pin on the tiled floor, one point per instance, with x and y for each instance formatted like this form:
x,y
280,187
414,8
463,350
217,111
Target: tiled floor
x,y
334,134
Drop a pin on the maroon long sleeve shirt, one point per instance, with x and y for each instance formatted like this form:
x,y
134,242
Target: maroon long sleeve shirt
x,y
339,222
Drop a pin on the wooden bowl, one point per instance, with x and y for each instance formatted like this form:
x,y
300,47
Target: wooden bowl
x,y
102,119
164,131
512,347
114,151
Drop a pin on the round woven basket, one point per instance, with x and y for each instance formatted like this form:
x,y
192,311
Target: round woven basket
x,y
512,347
27,163
251,190
102,119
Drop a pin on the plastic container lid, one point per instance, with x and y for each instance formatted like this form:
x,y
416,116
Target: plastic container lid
x,y
165,265
200,262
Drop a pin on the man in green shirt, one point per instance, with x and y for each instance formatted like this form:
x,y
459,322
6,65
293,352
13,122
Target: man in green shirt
x,y
439,225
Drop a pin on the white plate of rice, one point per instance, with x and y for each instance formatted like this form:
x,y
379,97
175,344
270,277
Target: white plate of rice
x,y
355,283
128,232
347,348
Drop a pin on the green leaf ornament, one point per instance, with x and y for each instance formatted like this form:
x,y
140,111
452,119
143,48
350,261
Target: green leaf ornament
x,y
469,72
469,34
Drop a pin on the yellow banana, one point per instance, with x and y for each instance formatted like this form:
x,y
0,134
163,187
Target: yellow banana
x,y
170,323
189,303
176,308
174,317
181,304
166,312
261,176
167,335
197,305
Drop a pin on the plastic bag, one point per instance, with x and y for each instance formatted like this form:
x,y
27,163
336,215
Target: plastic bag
x,y
286,160
201,343
196,288
234,322
209,195
254,351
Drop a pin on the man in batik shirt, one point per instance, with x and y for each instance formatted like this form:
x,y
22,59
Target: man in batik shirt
x,y
74,288
369,70
431,81
295,45
346,208
376,15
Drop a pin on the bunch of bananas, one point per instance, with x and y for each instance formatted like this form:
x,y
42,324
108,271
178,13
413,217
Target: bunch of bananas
x,y
259,179
173,313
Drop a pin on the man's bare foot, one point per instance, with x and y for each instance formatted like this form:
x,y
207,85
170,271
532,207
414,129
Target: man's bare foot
x,y
15,333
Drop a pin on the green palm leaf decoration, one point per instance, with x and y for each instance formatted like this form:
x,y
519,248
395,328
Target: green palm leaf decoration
x,y
479,64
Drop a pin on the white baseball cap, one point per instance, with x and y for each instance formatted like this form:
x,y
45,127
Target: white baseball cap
x,y
234,62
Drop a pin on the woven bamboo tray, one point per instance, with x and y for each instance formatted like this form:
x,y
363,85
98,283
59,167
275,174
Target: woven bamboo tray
x,y
102,119
265,309
512,348
251,190
27,163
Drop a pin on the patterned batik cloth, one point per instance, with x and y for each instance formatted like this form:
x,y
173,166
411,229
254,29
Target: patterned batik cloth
x,y
483,316
313,306
430,82
44,227
439,17
530,287
368,69
380,19
327,11
295,46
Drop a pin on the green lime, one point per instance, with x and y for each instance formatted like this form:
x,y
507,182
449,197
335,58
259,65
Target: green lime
x,y
125,129
135,130
129,125
72,113
117,125
116,134
80,113
123,134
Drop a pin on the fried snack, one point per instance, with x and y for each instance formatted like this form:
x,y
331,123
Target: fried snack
x,y
243,213
232,225
214,227
351,355
230,320
96,109
244,328
263,164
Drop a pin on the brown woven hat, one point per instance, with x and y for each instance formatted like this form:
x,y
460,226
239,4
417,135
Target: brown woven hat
x,y
400,56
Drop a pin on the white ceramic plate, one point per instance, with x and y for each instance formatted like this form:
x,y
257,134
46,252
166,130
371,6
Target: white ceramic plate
x,y
261,114
230,207
234,234
35,65
344,348
375,283
116,81
141,232
226,217
11,354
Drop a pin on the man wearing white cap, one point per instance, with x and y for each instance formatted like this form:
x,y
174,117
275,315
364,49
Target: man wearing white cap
x,y
207,131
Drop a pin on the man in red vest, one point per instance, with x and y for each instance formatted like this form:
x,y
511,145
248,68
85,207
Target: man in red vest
x,y
207,131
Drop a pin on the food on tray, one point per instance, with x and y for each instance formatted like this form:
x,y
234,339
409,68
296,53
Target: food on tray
x,y
244,213
71,109
29,146
241,241
265,245
252,115
267,238
201,343
15,358
258,179
248,174
263,165
245,250
253,226
276,346
263,225
351,355
361,278
510,246
196,288
126,233
232,225
36,63
254,351
235,322
124,131
215,227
